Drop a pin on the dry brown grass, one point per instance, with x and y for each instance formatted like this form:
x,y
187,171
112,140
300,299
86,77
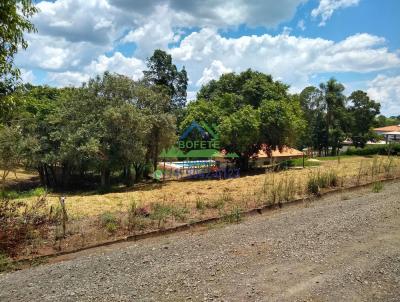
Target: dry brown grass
x,y
175,202
246,192
18,176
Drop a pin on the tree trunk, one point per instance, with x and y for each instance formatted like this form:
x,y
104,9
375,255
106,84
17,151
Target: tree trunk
x,y
105,177
128,177
244,163
155,155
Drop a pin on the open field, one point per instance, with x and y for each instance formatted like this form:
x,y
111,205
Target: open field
x,y
236,191
95,218
333,249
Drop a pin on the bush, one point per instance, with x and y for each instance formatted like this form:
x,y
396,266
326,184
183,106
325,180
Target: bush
x,y
320,180
20,222
160,212
5,263
132,215
389,149
200,204
179,213
234,216
16,195
109,222
377,186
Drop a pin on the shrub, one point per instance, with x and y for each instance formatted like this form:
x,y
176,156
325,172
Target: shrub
x,y
37,192
319,180
200,204
20,222
388,149
160,212
179,213
377,186
5,263
132,215
109,222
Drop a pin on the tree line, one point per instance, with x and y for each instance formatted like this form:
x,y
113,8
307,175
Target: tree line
x,y
113,125
115,128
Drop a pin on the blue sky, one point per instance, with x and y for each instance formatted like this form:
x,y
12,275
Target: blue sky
x,y
299,42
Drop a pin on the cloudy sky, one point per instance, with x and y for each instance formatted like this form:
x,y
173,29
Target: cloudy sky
x,y
300,42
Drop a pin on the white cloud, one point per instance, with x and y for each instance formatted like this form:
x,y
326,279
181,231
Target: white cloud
x,y
93,21
118,63
386,90
27,76
292,59
67,78
57,54
326,8
156,33
213,72
301,25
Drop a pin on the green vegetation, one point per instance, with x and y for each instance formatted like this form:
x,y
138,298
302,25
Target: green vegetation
x,y
331,117
251,111
389,149
377,186
37,192
5,263
322,179
15,21
109,222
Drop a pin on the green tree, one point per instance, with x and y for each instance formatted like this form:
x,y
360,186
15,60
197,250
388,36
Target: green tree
x,y
14,21
161,124
251,87
337,119
251,110
240,133
98,126
314,109
162,72
363,112
282,122
11,152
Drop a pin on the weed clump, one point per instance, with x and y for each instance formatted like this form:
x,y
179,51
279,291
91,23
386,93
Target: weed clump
x,y
109,222
377,186
320,180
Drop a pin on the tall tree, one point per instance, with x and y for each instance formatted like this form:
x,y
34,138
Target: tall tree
x,y
251,110
314,108
363,111
337,120
162,72
14,21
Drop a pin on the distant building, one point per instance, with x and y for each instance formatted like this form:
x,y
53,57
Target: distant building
x,y
390,133
286,153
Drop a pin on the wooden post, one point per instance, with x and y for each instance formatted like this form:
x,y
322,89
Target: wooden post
x,y
64,215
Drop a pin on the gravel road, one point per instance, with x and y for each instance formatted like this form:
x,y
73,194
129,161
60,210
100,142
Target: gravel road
x,y
344,247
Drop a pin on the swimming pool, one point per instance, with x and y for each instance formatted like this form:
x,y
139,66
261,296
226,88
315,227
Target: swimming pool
x,y
194,163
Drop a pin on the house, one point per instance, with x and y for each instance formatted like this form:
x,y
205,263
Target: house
x,y
390,133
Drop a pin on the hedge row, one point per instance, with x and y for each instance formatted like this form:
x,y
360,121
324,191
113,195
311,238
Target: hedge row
x,y
392,149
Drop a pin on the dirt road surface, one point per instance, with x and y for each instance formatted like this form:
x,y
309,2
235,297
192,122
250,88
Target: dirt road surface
x,y
344,247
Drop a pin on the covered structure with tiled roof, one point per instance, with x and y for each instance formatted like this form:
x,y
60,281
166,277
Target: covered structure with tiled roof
x,y
391,133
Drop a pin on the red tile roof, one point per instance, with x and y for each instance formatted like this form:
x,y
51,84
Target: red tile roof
x,y
388,129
